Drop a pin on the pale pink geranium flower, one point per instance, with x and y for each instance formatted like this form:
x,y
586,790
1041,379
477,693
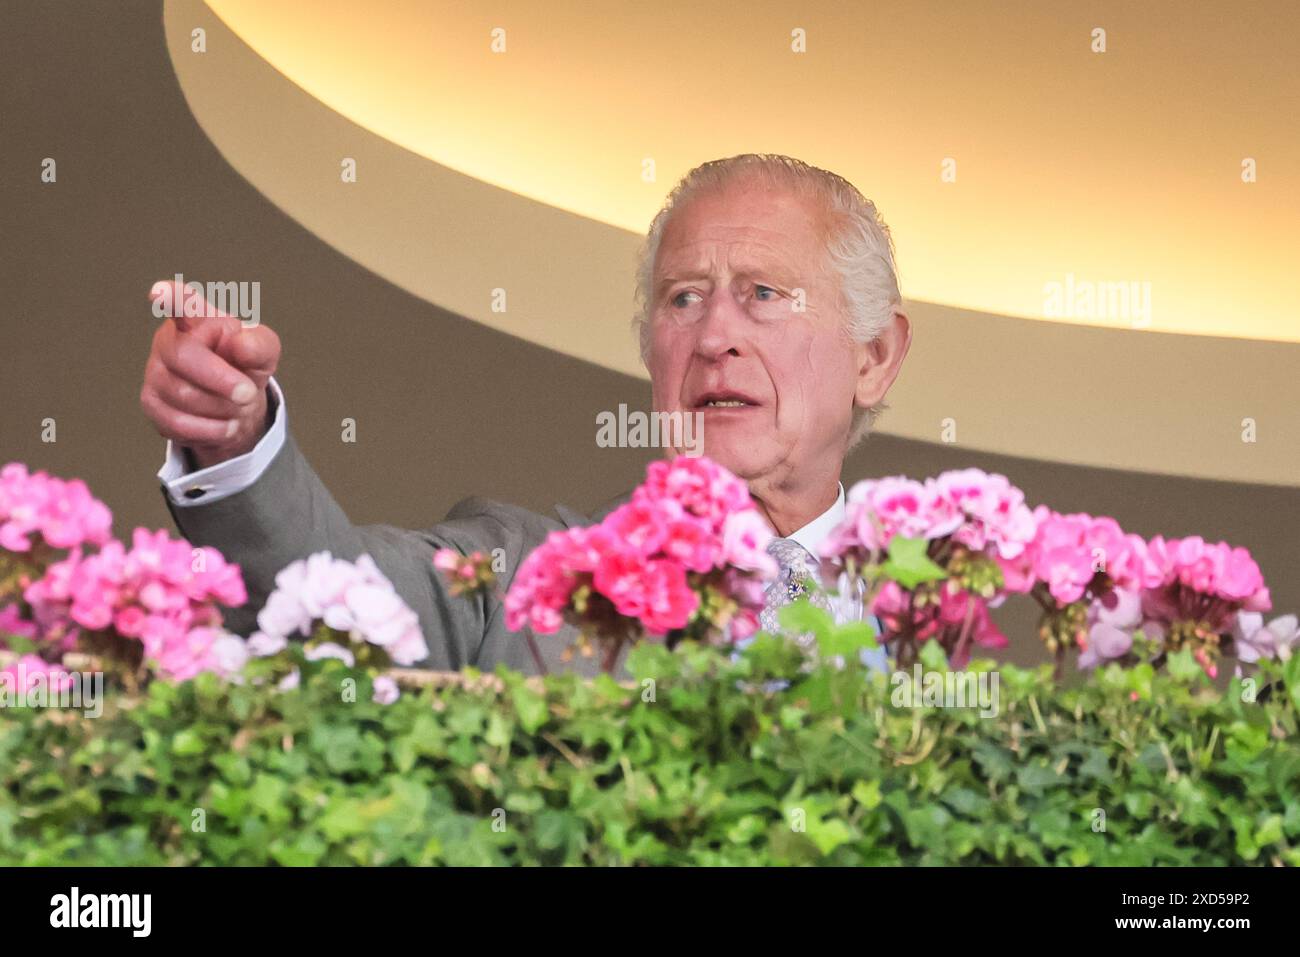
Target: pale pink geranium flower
x,y
969,520
410,648
1112,621
366,606
185,654
352,598
998,513
283,614
325,583
991,511
228,654
446,559
263,644
983,512
385,690
330,649
905,508
1253,640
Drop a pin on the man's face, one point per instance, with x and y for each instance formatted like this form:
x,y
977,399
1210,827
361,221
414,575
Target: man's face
x,y
729,336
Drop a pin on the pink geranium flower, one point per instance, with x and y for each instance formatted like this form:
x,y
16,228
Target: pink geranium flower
x,y
62,513
1178,593
976,526
23,675
1078,554
163,593
690,539
1199,594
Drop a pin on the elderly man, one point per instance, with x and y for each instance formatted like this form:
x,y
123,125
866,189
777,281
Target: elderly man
x,y
769,303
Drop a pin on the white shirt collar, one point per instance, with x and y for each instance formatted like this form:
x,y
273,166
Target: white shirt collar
x,y
814,533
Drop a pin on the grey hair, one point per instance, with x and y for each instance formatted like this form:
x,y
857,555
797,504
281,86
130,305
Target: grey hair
x,y
858,246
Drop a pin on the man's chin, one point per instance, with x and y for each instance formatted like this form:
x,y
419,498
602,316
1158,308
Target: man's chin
x,y
746,458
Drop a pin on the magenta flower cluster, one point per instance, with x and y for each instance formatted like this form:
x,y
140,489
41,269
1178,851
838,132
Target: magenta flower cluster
x,y
966,516
1098,585
155,602
688,552
980,511
1175,591
162,592
1189,589
1068,552
1209,581
63,513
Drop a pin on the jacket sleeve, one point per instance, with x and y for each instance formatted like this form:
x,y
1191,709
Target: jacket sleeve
x,y
288,514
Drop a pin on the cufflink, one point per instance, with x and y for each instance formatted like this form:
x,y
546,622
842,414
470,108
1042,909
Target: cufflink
x,y
198,491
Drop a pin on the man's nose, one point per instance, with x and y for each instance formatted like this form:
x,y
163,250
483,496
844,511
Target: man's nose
x,y
722,328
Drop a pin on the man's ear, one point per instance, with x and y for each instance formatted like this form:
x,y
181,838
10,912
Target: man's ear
x,y
881,360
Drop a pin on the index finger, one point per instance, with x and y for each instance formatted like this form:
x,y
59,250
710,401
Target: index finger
x,y
186,306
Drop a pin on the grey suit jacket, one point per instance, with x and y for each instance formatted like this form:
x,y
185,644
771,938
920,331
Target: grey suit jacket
x,y
288,514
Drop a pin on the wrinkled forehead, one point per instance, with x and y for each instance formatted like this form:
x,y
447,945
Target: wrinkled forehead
x,y
751,222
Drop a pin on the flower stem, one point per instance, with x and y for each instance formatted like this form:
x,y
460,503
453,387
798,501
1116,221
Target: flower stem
x,y
537,655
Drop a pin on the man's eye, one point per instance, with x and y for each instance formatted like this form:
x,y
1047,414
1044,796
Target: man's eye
x,y
759,290
677,299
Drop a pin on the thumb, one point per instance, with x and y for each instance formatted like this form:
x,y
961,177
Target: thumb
x,y
254,350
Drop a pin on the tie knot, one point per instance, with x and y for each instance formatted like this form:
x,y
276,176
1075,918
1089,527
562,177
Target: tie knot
x,y
790,555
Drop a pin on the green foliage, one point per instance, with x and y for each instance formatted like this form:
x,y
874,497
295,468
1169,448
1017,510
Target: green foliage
x,y
704,760
909,564
832,640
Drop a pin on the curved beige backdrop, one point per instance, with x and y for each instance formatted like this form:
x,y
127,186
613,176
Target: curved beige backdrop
x,y
1158,402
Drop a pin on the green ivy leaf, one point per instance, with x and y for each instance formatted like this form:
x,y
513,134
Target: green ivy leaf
x,y
909,565
1291,676
801,617
1183,667
847,640
932,656
585,772
187,743
530,707
867,793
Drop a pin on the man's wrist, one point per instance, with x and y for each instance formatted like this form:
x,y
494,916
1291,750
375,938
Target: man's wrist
x,y
191,458
190,483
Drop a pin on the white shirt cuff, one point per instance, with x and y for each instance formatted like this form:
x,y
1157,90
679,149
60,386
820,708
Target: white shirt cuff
x,y
215,482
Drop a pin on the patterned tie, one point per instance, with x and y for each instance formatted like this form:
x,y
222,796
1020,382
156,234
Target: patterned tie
x,y
795,578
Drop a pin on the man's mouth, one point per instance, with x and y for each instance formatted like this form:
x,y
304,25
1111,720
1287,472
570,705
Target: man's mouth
x,y
725,400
